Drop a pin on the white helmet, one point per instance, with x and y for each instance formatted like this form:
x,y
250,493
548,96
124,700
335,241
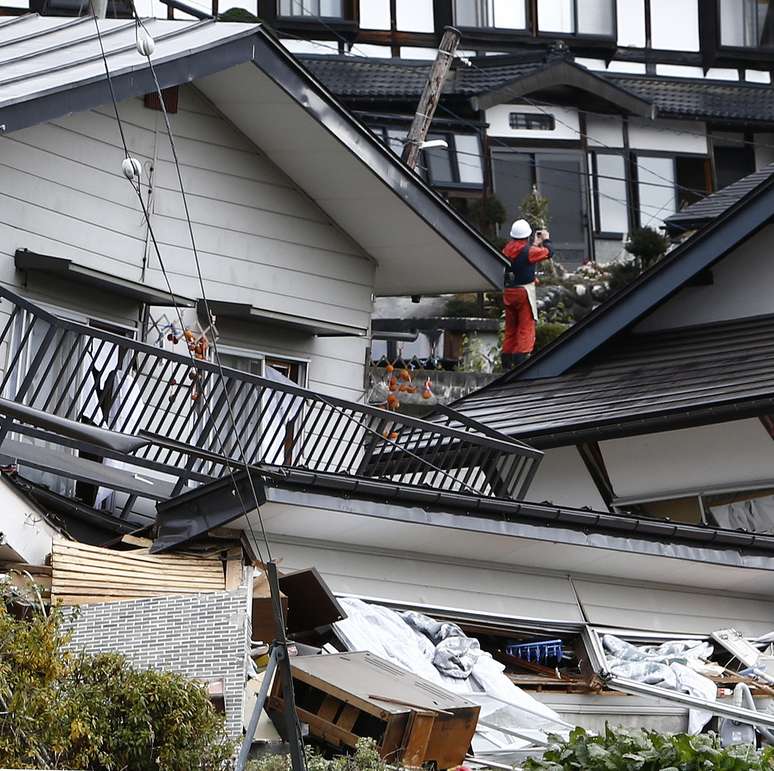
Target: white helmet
x,y
521,229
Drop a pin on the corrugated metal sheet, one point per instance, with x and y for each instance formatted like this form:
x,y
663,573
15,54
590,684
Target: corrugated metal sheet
x,y
641,377
44,55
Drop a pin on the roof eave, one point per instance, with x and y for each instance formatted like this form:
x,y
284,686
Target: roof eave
x,y
564,73
287,73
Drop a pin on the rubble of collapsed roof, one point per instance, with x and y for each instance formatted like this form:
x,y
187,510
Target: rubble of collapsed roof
x,y
427,689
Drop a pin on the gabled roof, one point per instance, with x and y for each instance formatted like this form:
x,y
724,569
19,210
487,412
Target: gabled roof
x,y
490,81
641,383
648,291
497,79
701,213
52,66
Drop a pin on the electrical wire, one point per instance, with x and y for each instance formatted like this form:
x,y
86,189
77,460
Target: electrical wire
x,y
146,215
329,404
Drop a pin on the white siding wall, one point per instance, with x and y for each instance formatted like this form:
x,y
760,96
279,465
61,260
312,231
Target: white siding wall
x,y
261,241
668,136
567,124
563,479
691,459
741,288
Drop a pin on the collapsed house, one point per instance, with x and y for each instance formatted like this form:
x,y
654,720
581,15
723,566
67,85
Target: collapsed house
x,y
113,433
659,401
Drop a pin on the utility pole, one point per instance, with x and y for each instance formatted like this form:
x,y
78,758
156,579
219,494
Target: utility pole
x,y
430,96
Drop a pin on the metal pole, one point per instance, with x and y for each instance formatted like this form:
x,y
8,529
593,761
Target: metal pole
x,y
292,727
430,96
268,676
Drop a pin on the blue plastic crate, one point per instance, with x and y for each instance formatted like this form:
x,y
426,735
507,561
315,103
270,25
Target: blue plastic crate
x,y
544,652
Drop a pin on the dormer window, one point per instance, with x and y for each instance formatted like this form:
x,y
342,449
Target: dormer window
x,y
327,9
747,23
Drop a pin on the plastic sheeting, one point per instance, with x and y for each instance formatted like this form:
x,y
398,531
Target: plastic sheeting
x,y
672,665
443,654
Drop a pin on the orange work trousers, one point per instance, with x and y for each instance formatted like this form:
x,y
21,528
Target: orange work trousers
x,y
519,322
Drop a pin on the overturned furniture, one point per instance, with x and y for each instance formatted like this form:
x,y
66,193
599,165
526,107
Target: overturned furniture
x,y
347,696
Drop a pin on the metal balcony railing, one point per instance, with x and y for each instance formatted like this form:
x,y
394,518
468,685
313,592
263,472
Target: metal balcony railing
x,y
181,406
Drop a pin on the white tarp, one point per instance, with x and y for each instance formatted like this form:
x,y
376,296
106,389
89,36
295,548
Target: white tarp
x,y
675,666
386,633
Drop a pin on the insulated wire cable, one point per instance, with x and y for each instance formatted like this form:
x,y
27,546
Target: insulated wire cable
x,y
146,215
210,318
330,405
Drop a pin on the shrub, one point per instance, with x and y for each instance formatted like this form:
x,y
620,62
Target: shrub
x,y
547,332
61,709
647,246
365,758
640,750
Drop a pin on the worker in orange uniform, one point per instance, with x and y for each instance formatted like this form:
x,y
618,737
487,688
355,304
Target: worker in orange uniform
x,y
519,295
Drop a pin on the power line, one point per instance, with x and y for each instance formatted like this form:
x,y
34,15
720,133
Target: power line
x,y
146,215
216,352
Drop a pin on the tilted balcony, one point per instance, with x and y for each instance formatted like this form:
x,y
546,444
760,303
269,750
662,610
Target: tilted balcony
x,y
74,395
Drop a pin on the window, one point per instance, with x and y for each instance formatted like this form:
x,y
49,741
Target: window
x,y
611,204
331,9
667,184
266,422
459,165
531,122
747,23
581,17
561,177
495,14
734,156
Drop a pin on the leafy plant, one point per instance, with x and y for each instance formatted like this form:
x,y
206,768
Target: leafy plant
x,y
365,758
647,246
639,750
61,709
534,209
547,332
487,213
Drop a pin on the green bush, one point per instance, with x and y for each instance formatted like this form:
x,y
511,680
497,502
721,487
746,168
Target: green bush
x,y
547,332
61,709
638,750
365,758
647,245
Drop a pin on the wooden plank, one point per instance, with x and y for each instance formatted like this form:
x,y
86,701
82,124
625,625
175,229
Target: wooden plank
x,y
155,559
135,577
348,717
233,569
418,737
136,540
328,732
329,708
214,566
100,587
363,704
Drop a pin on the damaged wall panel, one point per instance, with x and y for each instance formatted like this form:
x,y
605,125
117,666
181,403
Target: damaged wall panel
x,y
83,574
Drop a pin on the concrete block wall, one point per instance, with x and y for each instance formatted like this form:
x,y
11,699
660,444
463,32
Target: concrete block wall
x,y
202,636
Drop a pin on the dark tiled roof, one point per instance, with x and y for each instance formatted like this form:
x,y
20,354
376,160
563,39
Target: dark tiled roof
x,y
700,213
717,100
642,383
355,77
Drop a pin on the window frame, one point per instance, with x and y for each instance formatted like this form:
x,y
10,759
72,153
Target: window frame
x,y
596,230
346,13
738,49
528,16
636,154
575,35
